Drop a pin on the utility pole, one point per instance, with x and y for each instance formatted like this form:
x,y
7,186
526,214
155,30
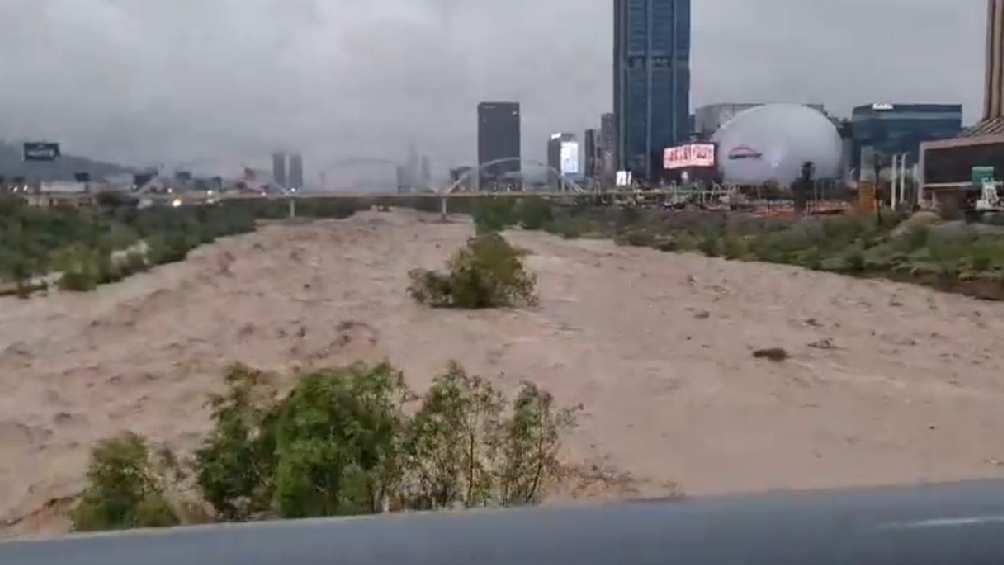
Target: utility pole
x,y
895,184
902,178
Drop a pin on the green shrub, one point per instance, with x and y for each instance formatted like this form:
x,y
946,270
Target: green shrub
x,y
855,261
812,259
451,445
235,465
464,450
981,263
628,217
735,248
710,245
987,254
342,443
338,442
326,208
493,215
135,262
916,237
80,266
785,246
840,231
637,238
172,248
566,227
78,281
670,245
109,271
487,273
534,213
432,288
123,489
529,445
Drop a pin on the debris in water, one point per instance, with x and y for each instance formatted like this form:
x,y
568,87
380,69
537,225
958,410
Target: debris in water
x,y
775,354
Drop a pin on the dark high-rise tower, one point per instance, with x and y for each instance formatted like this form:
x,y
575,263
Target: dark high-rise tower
x,y
591,152
651,81
499,138
279,169
296,171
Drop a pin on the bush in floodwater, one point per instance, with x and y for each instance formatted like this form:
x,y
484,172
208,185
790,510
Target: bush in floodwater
x,y
487,273
493,215
534,213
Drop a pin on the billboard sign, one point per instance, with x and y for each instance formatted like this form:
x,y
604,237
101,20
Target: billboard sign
x,y
41,151
981,175
689,156
744,152
570,158
623,178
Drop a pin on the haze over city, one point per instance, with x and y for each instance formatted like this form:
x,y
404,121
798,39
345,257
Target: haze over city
x,y
231,80
716,279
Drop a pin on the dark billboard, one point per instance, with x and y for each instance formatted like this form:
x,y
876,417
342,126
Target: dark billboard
x,y
954,165
41,151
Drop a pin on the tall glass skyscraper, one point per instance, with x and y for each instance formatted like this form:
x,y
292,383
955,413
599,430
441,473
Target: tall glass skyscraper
x,y
651,81
498,139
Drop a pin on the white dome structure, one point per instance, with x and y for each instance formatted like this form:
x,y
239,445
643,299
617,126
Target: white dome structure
x,y
772,142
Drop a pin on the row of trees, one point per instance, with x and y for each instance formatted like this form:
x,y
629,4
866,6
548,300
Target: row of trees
x,y
922,249
83,243
342,442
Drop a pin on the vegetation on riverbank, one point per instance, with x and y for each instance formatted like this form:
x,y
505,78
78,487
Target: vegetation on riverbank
x,y
341,442
105,244
924,249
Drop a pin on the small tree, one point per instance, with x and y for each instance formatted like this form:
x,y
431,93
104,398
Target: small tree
x,y
235,466
530,442
338,442
452,442
123,489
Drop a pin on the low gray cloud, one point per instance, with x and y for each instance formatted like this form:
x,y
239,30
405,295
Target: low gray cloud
x,y
226,81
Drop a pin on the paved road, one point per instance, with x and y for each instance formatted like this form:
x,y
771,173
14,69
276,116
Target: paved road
x,y
955,524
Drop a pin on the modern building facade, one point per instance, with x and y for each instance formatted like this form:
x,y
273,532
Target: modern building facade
x,y
296,171
895,129
279,169
590,152
499,139
607,146
651,81
947,165
563,158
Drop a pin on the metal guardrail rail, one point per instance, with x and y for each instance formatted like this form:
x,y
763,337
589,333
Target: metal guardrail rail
x,y
959,524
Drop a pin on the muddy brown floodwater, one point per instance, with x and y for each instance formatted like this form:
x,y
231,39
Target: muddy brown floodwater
x,y
886,383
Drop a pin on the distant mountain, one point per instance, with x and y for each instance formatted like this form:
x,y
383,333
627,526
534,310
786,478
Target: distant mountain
x,y
12,165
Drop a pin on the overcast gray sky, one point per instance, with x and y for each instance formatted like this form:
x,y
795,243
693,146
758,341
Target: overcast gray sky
x,y
176,80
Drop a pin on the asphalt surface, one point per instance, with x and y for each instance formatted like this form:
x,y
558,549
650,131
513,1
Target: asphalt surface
x,y
952,524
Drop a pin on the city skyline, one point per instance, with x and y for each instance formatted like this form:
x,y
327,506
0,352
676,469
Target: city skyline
x,y
234,99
